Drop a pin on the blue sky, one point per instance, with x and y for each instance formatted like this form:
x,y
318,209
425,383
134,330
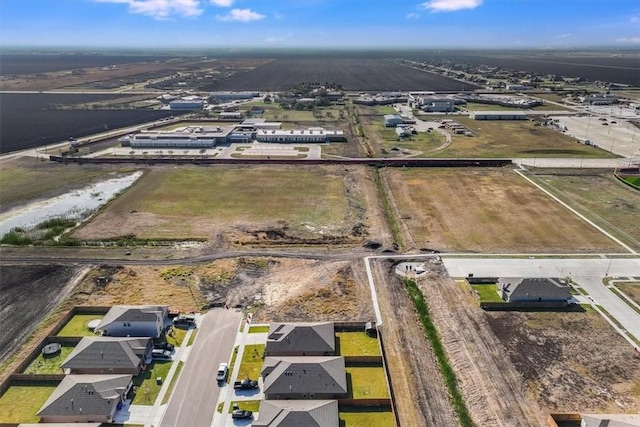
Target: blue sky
x,y
321,23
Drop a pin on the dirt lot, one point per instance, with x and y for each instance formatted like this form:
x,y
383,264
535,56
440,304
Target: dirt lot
x,y
27,294
244,206
491,387
597,193
630,289
482,210
564,367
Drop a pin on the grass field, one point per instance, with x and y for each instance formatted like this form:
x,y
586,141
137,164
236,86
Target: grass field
x,y
423,143
19,404
26,179
367,419
247,405
603,199
193,202
252,359
49,364
258,329
635,180
145,382
632,290
487,293
367,383
77,326
275,113
357,344
514,138
174,380
488,209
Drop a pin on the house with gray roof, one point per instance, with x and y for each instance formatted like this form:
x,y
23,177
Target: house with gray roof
x,y
134,321
535,289
308,377
85,399
296,413
610,420
301,339
108,355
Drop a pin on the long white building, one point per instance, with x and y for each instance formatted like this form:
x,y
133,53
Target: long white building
x,y
318,135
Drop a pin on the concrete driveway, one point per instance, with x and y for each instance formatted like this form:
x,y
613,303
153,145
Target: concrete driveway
x,y
194,399
587,272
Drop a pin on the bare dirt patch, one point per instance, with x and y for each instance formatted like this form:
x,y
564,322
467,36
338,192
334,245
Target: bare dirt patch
x,y
564,368
485,210
631,289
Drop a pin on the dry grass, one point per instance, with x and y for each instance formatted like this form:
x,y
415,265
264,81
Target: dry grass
x,y
601,194
485,210
191,202
19,404
631,289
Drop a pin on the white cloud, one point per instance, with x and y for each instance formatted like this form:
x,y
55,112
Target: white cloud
x,y
635,20
242,15
450,5
413,15
161,9
222,3
630,40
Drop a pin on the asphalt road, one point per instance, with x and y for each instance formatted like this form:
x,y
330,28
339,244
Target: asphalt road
x,y
193,402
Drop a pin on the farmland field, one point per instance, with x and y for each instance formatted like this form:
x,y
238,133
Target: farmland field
x,y
353,74
28,120
485,210
27,293
195,202
621,68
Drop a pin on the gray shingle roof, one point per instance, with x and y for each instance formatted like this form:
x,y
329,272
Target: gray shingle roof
x,y
547,289
106,353
298,338
298,413
85,395
133,313
308,374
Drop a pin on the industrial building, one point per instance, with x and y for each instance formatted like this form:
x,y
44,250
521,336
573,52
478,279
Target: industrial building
x,y
186,104
317,135
196,137
229,95
437,105
392,120
498,115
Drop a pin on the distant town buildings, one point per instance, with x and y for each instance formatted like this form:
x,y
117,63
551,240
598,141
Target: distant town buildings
x,y
498,115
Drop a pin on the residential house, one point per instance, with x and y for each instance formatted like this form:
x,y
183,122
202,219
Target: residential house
x,y
85,399
308,377
134,321
301,339
108,355
533,290
296,413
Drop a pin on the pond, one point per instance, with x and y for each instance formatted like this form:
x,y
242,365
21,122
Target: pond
x,y
77,205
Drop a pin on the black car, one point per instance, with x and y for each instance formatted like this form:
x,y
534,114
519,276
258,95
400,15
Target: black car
x,y
184,321
163,345
241,414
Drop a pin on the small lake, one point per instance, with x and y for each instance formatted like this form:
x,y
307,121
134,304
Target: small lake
x,y
78,204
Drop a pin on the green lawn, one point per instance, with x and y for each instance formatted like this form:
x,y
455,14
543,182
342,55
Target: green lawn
x,y
367,419
423,142
77,326
635,180
356,344
192,338
252,359
258,329
174,379
487,293
234,356
49,364
367,383
247,405
20,403
177,336
146,388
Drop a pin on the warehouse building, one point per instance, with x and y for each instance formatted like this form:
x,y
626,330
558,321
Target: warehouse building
x,y
186,104
197,137
311,135
498,115
229,95
392,120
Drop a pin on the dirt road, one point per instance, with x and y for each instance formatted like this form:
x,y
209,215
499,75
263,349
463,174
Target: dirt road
x,y
493,390
421,396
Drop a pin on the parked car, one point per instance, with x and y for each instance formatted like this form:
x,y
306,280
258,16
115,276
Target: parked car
x,y
223,370
241,414
186,321
163,345
245,384
159,354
